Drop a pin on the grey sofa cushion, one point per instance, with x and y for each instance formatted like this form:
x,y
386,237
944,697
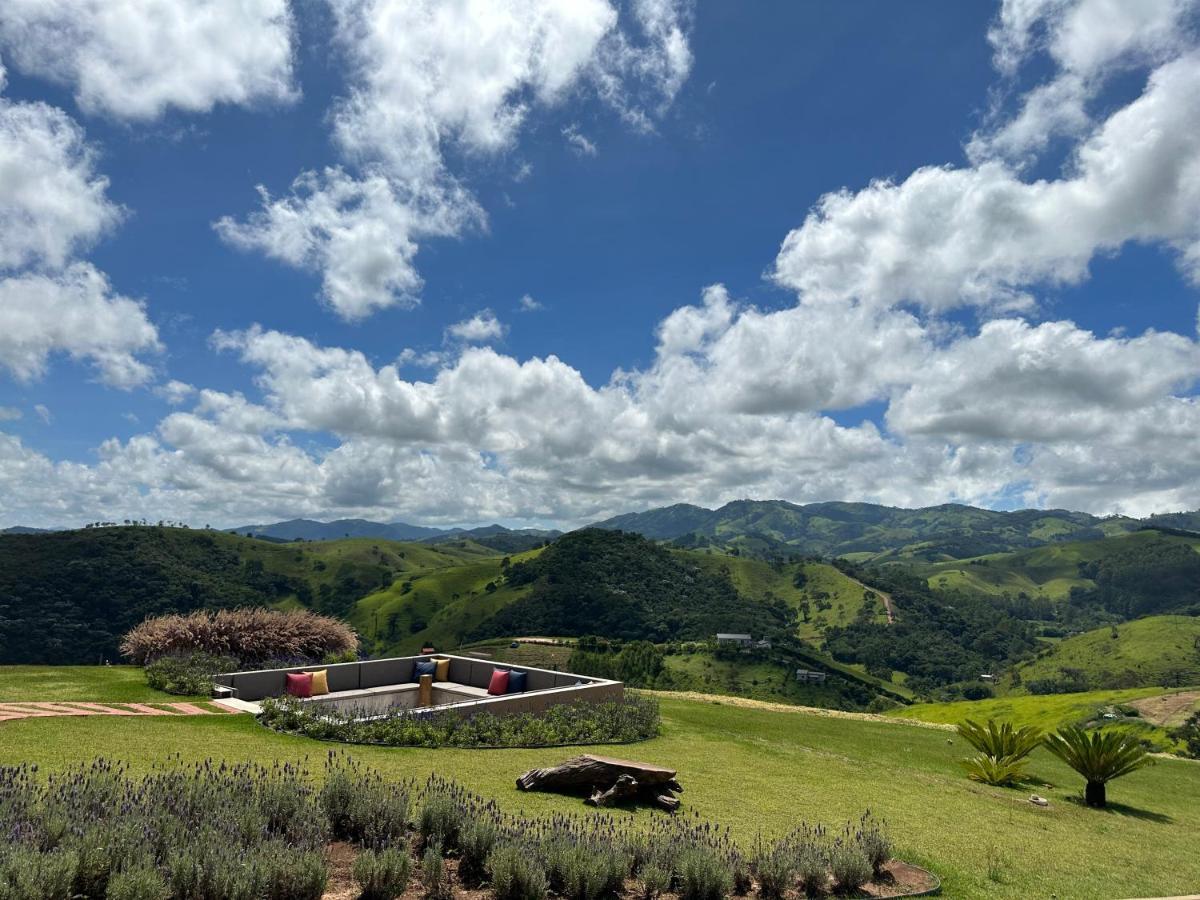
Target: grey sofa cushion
x,y
481,674
384,671
539,680
460,670
561,680
342,677
257,685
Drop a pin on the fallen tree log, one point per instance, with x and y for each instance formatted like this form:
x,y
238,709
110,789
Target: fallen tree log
x,y
606,781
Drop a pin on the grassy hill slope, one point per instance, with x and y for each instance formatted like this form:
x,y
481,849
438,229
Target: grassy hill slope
x,y
439,605
1087,708
832,597
1052,571
1158,650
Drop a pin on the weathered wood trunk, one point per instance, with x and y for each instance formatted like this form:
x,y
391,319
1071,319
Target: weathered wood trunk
x,y
607,781
1094,794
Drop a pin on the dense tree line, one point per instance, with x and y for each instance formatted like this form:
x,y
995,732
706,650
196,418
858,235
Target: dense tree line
x,y
1143,578
67,597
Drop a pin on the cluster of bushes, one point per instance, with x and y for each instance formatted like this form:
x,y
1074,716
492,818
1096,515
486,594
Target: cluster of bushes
x,y
188,674
245,832
634,718
252,636
236,832
1189,734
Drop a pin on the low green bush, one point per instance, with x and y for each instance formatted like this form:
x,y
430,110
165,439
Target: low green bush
x,y
776,871
635,718
516,874
29,874
138,882
811,871
187,674
703,874
654,880
382,874
439,820
361,806
849,866
476,839
434,875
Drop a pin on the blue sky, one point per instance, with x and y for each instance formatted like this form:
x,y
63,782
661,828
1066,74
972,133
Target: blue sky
x,y
685,175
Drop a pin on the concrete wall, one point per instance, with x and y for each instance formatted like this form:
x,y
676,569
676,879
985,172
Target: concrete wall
x,y
544,688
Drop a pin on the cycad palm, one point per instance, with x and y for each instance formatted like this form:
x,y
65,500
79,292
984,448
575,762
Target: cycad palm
x,y
1001,747
1099,756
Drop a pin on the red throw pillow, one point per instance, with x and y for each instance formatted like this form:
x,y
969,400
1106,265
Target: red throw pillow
x,y
499,683
299,685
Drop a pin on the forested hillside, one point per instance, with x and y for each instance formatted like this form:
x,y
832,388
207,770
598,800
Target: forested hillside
x,y
66,597
621,585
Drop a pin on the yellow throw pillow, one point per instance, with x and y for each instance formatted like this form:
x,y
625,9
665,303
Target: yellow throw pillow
x,y
320,684
442,672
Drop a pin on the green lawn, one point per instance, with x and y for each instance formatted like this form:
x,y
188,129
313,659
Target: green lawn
x,y
106,684
757,769
1048,712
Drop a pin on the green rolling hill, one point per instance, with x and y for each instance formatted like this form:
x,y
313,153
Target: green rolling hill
x,y
1131,574
1157,650
821,594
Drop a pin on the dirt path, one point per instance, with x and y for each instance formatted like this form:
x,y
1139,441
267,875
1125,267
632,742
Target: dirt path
x,y
41,710
1167,710
887,599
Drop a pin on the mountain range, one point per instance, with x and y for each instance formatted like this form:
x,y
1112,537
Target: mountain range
x,y
497,537
865,531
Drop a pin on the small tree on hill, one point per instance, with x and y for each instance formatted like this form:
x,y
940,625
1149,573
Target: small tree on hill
x,y
1099,756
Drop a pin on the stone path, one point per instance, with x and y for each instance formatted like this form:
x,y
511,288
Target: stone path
x,y
32,710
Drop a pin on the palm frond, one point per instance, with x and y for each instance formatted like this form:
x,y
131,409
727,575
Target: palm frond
x,y
1099,756
1001,741
998,772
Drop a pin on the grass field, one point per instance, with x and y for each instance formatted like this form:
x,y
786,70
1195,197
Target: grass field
x,y
105,684
1047,712
1159,650
757,769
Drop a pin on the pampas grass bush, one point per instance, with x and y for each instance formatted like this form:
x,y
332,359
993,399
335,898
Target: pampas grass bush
x,y
251,635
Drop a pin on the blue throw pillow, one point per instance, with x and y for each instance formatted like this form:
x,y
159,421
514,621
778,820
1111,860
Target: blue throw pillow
x,y
516,682
424,668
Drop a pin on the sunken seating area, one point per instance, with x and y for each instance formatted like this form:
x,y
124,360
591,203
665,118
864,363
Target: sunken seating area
x,y
375,687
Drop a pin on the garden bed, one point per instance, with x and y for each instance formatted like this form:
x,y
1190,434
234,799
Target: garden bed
x,y
631,719
218,832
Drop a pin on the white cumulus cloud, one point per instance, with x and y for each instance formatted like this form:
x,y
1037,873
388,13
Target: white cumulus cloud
x,y
74,312
427,78
133,59
478,329
53,203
